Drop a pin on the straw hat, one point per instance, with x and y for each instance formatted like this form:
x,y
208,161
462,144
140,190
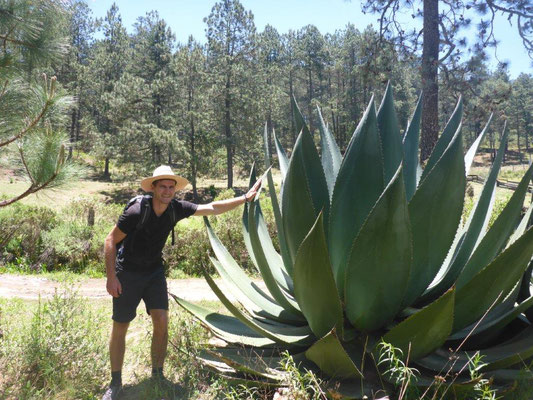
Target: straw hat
x,y
163,172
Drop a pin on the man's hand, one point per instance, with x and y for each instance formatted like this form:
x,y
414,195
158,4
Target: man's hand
x,y
250,195
114,288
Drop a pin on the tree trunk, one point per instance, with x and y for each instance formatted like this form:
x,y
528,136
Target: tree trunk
x,y
106,169
309,106
72,132
430,88
518,140
227,132
193,147
194,169
291,94
526,134
78,124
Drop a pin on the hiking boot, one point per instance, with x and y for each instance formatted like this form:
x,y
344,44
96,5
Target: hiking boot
x,y
112,392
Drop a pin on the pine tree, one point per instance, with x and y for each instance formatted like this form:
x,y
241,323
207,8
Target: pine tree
x,y
192,113
33,106
230,35
109,60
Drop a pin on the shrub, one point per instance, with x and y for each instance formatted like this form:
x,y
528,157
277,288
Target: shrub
x,y
21,227
61,354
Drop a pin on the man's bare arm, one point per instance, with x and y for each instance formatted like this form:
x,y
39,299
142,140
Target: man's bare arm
x,y
222,206
114,288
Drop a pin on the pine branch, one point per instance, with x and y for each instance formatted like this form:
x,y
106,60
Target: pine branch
x,y
36,120
7,38
507,10
32,189
26,165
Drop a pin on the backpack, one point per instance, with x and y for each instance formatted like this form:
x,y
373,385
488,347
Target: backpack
x,y
146,207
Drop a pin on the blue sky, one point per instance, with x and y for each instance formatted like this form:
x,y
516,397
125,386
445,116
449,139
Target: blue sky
x,y
185,17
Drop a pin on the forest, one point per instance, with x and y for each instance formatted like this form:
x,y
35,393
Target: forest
x,y
140,98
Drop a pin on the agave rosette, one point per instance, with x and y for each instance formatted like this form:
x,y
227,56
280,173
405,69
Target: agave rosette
x,y
372,248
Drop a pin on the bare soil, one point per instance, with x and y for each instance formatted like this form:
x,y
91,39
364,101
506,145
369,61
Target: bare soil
x,y
30,287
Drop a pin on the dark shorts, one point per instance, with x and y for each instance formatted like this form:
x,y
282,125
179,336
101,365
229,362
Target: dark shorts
x,y
151,288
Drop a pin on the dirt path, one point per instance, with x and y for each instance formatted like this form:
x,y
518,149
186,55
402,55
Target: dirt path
x,y
30,287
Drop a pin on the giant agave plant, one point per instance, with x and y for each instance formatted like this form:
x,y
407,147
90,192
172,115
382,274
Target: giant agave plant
x,y
373,249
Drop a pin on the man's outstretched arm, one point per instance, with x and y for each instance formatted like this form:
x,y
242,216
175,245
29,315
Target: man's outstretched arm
x,y
221,206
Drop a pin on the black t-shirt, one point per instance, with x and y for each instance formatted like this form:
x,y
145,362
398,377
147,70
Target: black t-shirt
x,y
141,250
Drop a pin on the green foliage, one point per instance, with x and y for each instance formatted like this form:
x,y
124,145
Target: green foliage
x,y
36,238
33,109
21,230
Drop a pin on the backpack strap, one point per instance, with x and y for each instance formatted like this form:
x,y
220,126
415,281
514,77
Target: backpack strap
x,y
146,207
173,219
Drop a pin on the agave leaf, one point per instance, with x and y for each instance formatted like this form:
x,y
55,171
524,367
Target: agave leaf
x,y
447,135
331,358
284,334
305,192
215,363
468,238
360,168
426,330
436,207
493,282
389,132
469,157
274,259
274,198
244,289
510,375
331,155
225,327
230,269
378,269
248,361
268,266
282,156
495,239
228,262
245,229
513,352
494,324
314,285
410,150
299,120
522,226
510,353
239,379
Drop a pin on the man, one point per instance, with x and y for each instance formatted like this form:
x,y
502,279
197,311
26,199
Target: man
x,y
136,271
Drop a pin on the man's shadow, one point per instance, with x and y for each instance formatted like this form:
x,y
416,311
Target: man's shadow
x,y
148,389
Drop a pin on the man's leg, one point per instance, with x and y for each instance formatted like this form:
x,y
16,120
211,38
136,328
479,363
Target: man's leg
x,y
117,348
124,310
159,339
117,345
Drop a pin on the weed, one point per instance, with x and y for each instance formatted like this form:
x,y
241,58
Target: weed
x,y
397,371
482,388
300,385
